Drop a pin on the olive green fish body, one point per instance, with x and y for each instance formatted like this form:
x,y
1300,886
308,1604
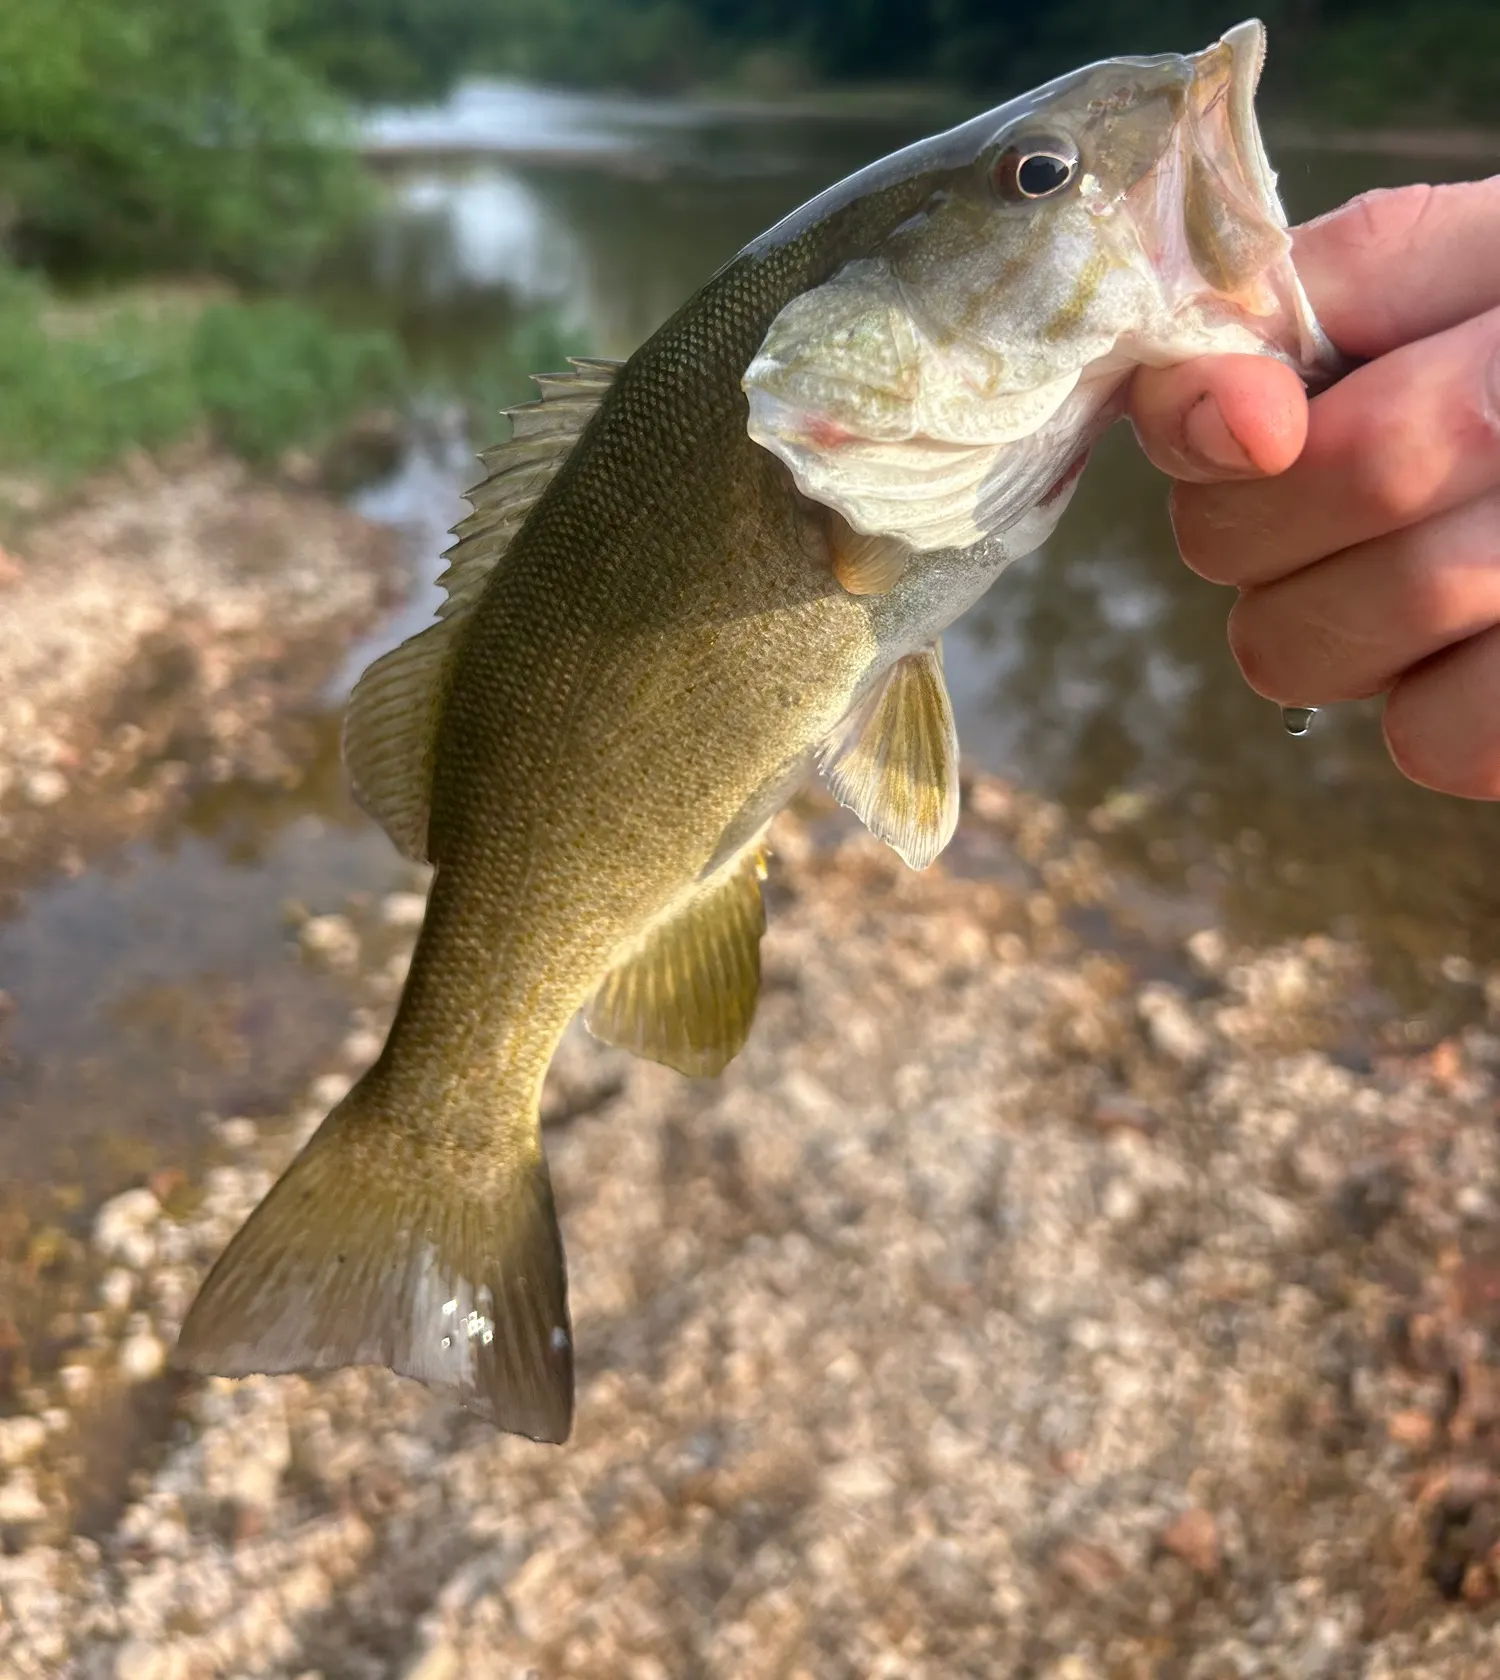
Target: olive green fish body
x,y
688,583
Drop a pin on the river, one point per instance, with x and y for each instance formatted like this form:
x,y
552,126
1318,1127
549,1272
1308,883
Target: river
x,y
519,224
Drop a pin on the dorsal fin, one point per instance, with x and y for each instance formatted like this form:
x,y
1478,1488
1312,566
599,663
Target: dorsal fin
x,y
391,725
894,760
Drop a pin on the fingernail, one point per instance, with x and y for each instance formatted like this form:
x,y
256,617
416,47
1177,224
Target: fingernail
x,y
1210,441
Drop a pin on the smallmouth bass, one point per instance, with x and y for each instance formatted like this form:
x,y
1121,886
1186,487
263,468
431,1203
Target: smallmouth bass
x,y
689,582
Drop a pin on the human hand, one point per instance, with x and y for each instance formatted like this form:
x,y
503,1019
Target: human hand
x,y
1363,529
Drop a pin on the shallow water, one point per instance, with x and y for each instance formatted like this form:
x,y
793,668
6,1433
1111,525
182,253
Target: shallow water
x,y
167,983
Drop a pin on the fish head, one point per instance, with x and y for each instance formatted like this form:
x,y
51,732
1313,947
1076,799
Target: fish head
x,y
946,377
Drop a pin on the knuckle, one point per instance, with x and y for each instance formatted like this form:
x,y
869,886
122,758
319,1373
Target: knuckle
x,y
1387,221
1465,763
1264,659
1394,474
1406,740
1208,542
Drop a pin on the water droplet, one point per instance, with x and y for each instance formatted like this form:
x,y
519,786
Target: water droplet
x,y
1297,720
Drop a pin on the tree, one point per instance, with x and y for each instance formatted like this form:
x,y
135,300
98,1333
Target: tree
x,y
152,134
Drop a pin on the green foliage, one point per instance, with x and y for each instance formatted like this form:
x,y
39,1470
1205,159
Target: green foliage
x,y
146,135
269,374
498,375
72,400
81,385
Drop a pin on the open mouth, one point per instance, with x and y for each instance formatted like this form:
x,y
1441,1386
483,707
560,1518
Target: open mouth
x,y
1232,218
1222,115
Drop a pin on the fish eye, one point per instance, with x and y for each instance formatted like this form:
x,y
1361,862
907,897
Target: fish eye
x,y
1032,169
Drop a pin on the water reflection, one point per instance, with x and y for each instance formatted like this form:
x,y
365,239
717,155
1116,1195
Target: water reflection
x,y
166,983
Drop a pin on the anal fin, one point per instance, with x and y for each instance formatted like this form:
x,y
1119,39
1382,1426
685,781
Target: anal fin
x,y
686,994
894,760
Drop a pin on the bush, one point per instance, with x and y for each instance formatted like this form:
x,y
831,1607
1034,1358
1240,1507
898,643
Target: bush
x,y
161,135
71,401
271,374
80,386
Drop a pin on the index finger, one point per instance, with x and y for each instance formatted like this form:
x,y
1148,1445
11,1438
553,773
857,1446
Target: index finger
x,y
1402,263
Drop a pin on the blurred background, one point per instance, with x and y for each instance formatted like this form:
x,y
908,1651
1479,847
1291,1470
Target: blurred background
x,y
330,238
268,264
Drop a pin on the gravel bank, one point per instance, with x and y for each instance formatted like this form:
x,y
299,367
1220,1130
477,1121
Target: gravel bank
x,y
1009,1308
169,619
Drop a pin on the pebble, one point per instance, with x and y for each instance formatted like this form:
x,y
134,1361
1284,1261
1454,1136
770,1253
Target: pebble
x,y
19,1500
116,1288
403,909
361,1047
121,1228
1121,1203
143,1356
45,787
238,1133
20,1437
330,1089
331,939
1194,1537
1171,1026
76,1380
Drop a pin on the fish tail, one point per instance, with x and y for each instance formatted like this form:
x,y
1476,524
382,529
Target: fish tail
x,y
380,1247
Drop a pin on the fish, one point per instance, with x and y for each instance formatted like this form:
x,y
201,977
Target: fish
x,y
689,583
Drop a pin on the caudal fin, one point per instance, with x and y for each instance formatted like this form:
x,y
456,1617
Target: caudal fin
x,y
371,1250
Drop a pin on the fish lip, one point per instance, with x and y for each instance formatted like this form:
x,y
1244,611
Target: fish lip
x,y
1230,70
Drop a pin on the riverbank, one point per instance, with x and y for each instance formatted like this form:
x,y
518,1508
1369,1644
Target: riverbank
x,y
1029,1297
161,627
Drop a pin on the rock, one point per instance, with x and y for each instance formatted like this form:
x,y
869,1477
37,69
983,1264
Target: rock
x,y
20,1437
403,909
1412,1428
1171,1026
116,1288
20,1503
328,1090
331,940
238,1133
440,1661
1209,951
143,1355
1194,1537
77,1379
122,1228
361,1047
44,787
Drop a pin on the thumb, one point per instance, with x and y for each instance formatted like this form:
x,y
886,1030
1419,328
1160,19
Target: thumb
x,y
1220,417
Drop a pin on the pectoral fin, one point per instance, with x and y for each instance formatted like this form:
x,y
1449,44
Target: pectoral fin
x,y
865,565
686,994
894,760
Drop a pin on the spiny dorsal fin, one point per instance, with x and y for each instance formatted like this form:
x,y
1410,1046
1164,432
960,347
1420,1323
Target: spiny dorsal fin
x,y
392,721
865,565
894,760
686,994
